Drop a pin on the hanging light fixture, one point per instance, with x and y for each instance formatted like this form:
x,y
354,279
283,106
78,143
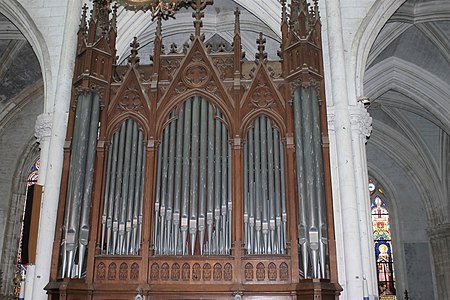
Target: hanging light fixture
x,y
164,9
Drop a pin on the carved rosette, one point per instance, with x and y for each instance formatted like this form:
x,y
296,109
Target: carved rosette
x,y
262,97
131,101
196,75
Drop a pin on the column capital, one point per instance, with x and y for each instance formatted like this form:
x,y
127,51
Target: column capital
x,y
43,127
361,120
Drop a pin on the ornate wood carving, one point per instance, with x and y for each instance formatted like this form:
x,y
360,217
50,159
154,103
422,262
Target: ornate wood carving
x,y
242,90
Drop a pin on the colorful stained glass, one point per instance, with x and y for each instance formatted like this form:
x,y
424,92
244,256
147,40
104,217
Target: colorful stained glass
x,y
21,269
381,225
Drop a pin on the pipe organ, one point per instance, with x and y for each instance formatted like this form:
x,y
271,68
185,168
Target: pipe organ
x,y
199,175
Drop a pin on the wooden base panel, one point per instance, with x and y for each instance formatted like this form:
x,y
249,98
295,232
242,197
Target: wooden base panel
x,y
310,289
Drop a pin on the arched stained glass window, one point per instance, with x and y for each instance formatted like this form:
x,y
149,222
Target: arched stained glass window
x,y
22,252
381,224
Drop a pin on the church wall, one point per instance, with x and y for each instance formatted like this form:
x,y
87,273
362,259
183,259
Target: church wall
x,y
15,138
412,254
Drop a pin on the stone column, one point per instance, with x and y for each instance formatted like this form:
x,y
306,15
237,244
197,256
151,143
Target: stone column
x,y
440,245
54,164
361,123
349,168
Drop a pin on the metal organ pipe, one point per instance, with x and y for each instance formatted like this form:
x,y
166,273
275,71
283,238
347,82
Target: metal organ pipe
x,y
265,228
312,219
76,219
201,182
124,192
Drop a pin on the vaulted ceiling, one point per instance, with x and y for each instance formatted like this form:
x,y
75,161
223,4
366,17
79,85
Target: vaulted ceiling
x,y
408,81
19,67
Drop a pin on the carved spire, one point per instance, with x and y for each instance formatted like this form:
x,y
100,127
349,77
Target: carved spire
x,y
261,56
198,14
133,60
237,22
283,11
114,16
303,17
83,23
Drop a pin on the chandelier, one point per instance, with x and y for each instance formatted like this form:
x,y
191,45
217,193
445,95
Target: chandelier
x,y
163,9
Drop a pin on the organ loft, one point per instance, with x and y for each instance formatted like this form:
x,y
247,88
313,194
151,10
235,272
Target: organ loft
x,y
200,175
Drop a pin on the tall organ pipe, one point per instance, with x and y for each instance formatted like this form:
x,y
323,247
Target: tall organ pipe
x,y
163,241
271,183
124,193
186,180
170,183
203,178
251,194
201,189
111,198
88,180
211,177
194,172
263,177
76,223
301,185
178,179
320,185
311,184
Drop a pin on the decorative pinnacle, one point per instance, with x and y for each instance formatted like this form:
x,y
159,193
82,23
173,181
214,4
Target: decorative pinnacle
x,y
261,56
114,16
283,11
237,23
83,24
134,59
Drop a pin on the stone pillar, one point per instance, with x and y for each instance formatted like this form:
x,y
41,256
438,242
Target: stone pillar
x,y
440,245
361,124
349,168
55,151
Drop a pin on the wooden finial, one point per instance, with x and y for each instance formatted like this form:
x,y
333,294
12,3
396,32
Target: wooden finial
x,y
261,56
134,59
237,22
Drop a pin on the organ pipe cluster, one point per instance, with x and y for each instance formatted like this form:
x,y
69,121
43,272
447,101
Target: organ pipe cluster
x,y
312,226
264,190
193,202
78,198
124,188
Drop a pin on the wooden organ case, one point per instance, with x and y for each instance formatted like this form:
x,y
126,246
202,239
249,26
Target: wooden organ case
x,y
200,175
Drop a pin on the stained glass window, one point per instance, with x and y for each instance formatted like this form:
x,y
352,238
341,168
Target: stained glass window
x,y
384,256
22,253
